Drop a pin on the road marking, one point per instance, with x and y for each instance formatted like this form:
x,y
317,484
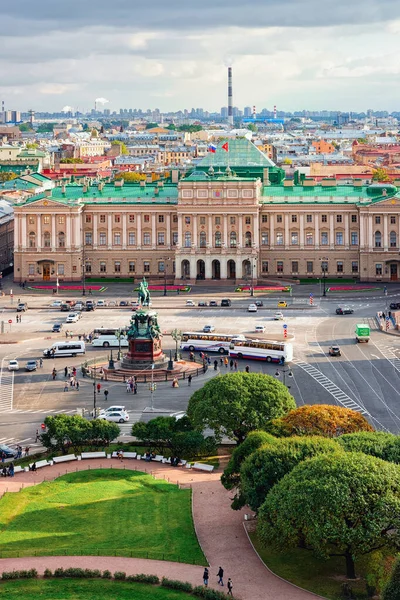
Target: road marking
x,y
6,388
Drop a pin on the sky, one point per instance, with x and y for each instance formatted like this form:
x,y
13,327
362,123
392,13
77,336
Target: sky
x,y
171,55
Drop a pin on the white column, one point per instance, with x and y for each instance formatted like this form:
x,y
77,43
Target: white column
x,y
78,233
16,231
193,272
225,238
239,268
124,232
370,236
139,231
347,230
256,235
23,218
301,231
153,231
95,240
68,232
316,232
195,241
180,231
109,231
385,233
240,241
168,231
331,231
39,233
224,267
361,241
208,270
286,234
271,231
210,232
53,233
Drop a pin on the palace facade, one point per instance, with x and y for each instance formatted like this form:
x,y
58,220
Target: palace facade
x,y
233,218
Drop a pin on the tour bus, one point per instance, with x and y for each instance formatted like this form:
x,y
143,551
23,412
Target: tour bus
x,y
64,349
110,337
269,351
209,342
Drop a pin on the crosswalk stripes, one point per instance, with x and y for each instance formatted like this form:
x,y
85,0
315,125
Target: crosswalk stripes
x,y
6,390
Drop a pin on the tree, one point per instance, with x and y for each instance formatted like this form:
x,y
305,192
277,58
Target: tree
x,y
31,146
64,431
131,176
375,443
380,174
252,127
7,176
237,403
231,475
391,591
267,465
287,161
71,161
45,128
172,127
123,148
190,128
319,419
345,504
151,125
24,127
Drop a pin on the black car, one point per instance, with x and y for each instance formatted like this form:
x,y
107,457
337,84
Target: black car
x,y
90,305
9,452
65,308
394,306
344,311
57,327
226,302
258,303
202,303
124,303
213,303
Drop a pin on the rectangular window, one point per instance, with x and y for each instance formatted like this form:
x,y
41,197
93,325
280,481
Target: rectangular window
x,y
294,238
161,238
102,218
264,218
187,220
174,238
218,220
131,267
88,218
309,239
74,268
324,218
117,218
47,241
146,267
295,266
102,239
264,266
161,218
46,220
324,266
354,238
279,218
354,266
324,238
60,269
31,220
309,218
338,218
61,220
31,270
279,266
202,220
354,218
175,219
392,220
117,239
117,267
377,220
339,267
248,220
310,266
132,238
279,239
161,266
131,218
88,238
146,239
88,267
294,218
378,269
103,267
146,218
339,238
264,238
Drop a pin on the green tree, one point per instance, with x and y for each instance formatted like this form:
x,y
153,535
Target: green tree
x,y
123,148
237,403
45,128
380,175
102,432
65,431
24,127
375,443
131,176
267,465
391,590
72,161
151,125
7,176
190,128
172,127
252,127
231,475
345,504
32,146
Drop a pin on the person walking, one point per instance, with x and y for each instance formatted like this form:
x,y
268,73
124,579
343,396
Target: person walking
x,y
230,587
41,363
247,369
77,385
54,374
220,576
215,365
134,387
128,388
37,436
226,362
65,387
105,395
189,380
231,364
236,365
205,577
27,451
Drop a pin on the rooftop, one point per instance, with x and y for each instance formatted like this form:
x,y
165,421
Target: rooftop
x,y
241,153
340,194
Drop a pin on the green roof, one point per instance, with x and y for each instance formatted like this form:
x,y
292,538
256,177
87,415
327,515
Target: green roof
x,y
341,194
241,153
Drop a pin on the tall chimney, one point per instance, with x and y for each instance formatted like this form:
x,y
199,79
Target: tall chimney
x,y
275,112
230,98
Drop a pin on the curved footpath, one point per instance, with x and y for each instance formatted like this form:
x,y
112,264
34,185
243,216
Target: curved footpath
x,y
220,532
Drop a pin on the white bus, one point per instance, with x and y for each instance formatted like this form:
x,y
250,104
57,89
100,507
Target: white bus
x,y
209,342
106,338
65,349
261,350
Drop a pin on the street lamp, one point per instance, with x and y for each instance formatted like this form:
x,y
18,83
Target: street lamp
x,y
285,372
253,266
176,335
165,276
324,267
94,394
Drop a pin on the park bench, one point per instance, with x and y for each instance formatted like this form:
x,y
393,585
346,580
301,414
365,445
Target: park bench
x,y
158,458
124,454
203,467
40,464
19,469
139,456
66,458
93,455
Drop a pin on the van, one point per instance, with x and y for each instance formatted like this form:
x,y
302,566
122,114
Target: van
x,y
362,332
64,349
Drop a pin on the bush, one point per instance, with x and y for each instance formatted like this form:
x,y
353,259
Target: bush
x,y
59,572
107,575
231,475
23,574
175,584
208,593
143,578
120,575
375,443
47,573
392,588
92,573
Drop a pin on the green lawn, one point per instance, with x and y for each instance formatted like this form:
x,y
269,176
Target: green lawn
x,y
104,512
85,589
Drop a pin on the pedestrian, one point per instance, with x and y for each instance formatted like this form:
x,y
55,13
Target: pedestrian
x,y
33,467
208,360
3,457
54,374
226,362
66,333
101,373
247,369
120,455
41,363
221,361
383,315
27,451
189,380
236,365
128,388
205,577
105,395
230,587
74,371
220,576
98,388
66,386
231,364
134,387
37,436
77,385
175,383
215,365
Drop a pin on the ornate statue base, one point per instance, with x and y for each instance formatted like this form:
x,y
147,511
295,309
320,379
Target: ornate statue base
x,y
145,347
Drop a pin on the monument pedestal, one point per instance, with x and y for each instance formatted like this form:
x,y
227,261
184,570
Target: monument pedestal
x,y
144,352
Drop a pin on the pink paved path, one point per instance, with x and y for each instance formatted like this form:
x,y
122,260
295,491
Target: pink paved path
x,y
219,529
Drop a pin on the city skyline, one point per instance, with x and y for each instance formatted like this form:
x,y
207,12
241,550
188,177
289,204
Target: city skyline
x,y
171,57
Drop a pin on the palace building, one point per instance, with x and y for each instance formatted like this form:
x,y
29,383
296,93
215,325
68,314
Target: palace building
x,y
233,218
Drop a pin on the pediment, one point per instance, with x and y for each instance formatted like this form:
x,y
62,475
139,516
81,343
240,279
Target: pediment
x,y
393,202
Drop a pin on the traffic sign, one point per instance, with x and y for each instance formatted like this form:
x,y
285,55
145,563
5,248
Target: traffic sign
x,y
10,321
387,318
43,426
311,295
285,326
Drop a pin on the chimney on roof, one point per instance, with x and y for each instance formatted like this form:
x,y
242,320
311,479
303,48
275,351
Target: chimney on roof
x,y
142,184
85,188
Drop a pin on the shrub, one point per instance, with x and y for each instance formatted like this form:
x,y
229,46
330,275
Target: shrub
x,y
59,572
47,573
392,588
107,575
23,574
92,573
74,572
143,578
375,443
175,584
120,575
208,593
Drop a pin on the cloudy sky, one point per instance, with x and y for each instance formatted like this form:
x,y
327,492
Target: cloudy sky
x,y
314,54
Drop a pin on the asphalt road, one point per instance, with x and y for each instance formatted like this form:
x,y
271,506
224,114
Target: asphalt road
x,y
365,377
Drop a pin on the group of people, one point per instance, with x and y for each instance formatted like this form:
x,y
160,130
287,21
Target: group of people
x,y
149,456
8,471
220,575
131,385
71,379
18,318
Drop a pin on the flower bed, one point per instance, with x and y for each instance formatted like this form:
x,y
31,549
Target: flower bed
x,y
352,288
263,288
171,288
70,288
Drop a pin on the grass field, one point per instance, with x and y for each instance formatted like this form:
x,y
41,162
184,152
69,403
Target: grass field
x,y
85,589
103,512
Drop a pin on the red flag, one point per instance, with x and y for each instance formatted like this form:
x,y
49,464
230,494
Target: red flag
x,y
225,147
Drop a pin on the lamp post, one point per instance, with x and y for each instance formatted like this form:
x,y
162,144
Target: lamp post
x,y
253,266
165,276
176,335
284,372
118,334
324,267
94,394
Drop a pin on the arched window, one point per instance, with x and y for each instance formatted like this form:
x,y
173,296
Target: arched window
x,y
247,239
32,239
46,239
378,239
217,239
203,239
61,240
232,239
188,239
393,239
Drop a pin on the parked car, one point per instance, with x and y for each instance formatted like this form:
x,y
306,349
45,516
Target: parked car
x,y
56,304
190,303
9,452
65,307
226,302
213,303
394,305
334,351
119,416
101,303
282,304
70,302
208,328
124,303
57,327
252,308
278,316
13,365
31,365
22,307
258,303
79,305
346,310
110,409
259,328
202,303
90,305
73,318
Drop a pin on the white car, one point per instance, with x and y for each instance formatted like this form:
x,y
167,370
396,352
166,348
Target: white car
x,y
259,328
190,303
13,365
79,305
116,416
278,316
252,308
73,318
56,304
101,303
115,408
